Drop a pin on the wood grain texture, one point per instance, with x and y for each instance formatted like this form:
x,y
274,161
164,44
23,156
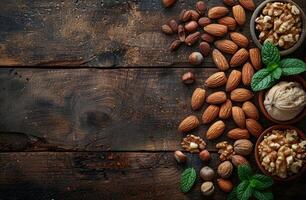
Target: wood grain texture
x,y
103,175
93,33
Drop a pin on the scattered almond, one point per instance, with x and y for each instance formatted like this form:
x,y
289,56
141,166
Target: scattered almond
x,y
238,133
226,46
207,38
217,30
247,73
198,98
240,39
239,58
238,116
215,130
225,110
254,127
241,95
250,110
255,58
189,123
229,22
225,185
216,98
210,114
219,60
216,80
204,48
217,12
233,80
248,4
239,14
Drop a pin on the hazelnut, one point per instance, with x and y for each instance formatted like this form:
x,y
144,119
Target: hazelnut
x,y
225,185
243,147
188,78
196,58
207,173
225,169
207,188
204,155
180,157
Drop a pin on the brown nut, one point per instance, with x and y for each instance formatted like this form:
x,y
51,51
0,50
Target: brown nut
x,y
204,21
196,58
243,147
230,2
189,123
210,114
198,98
201,7
192,38
238,133
191,26
207,188
168,3
173,25
239,160
225,169
204,48
188,78
225,185
207,173
205,155
166,29
238,116
175,45
185,15
181,32
226,110
207,38
180,157
194,15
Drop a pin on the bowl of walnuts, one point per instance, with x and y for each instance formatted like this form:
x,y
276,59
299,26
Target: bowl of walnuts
x,y
281,22
280,152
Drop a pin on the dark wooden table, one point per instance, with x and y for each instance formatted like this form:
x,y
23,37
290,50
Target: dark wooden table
x,y
90,101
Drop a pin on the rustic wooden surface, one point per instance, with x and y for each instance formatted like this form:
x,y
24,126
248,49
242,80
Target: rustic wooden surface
x,y
99,121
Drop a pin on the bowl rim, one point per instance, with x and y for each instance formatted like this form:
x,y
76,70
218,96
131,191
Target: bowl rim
x,y
253,31
261,137
261,96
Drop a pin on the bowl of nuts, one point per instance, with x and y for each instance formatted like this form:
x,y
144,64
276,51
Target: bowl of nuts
x,y
281,22
280,152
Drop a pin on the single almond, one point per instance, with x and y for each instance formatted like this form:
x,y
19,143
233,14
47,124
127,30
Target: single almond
x,y
207,38
194,15
240,39
174,25
233,80
239,14
238,133
229,22
250,110
198,98
239,160
241,95
204,48
226,46
220,60
254,127
225,185
192,38
216,80
217,30
201,7
189,123
217,12
255,58
238,116
215,130
230,2
204,21
247,73
225,110
210,114
239,58
216,98
166,29
191,26
248,4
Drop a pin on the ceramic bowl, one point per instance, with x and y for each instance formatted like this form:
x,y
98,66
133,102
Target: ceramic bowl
x,y
261,98
254,33
261,137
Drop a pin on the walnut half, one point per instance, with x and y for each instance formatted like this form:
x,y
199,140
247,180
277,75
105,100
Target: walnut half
x,y
193,144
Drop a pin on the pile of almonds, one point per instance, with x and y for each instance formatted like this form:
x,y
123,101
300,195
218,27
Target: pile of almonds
x,y
232,102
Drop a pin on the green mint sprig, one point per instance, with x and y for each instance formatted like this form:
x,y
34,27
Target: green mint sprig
x,y
188,178
276,68
252,185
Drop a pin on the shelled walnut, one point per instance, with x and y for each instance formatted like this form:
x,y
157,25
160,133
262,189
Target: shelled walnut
x,y
280,23
193,143
282,153
226,150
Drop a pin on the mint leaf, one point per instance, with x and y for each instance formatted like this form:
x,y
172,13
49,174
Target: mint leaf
x,y
272,66
233,194
261,182
247,193
188,178
262,79
244,190
277,73
291,66
270,53
244,172
263,195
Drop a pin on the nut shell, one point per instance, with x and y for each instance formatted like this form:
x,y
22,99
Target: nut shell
x,y
239,160
205,155
180,157
188,78
225,185
225,169
207,188
243,147
207,173
196,58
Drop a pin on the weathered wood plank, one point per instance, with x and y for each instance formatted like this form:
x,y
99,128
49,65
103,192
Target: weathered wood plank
x,y
89,109
92,33
98,175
